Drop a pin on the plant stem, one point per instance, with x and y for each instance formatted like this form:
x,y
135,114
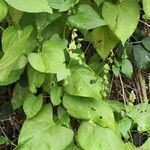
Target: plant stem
x,y
7,137
143,86
144,23
123,91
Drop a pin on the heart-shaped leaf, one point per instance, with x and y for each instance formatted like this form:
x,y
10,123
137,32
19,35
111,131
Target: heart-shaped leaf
x,y
51,59
122,18
40,132
104,41
93,137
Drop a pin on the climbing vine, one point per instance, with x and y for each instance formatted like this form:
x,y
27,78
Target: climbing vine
x,y
58,57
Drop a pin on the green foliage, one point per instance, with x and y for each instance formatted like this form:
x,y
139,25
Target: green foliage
x,y
3,140
41,132
4,9
62,5
124,126
83,82
51,59
124,19
140,115
35,79
56,93
58,56
142,57
146,6
29,6
19,94
126,68
91,136
32,105
84,19
146,43
13,43
104,41
98,2
99,112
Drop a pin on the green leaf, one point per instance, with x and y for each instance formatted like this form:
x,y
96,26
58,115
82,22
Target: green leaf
x,y
40,132
142,57
35,79
56,94
62,5
83,82
116,106
19,94
51,59
93,137
127,68
146,7
13,43
116,70
33,6
3,10
32,105
104,41
84,19
146,43
15,74
124,126
124,19
89,109
21,62
12,77
3,140
141,115
63,116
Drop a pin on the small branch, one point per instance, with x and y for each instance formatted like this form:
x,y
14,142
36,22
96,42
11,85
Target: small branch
x,y
137,42
139,90
143,87
145,23
123,91
1,28
8,138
